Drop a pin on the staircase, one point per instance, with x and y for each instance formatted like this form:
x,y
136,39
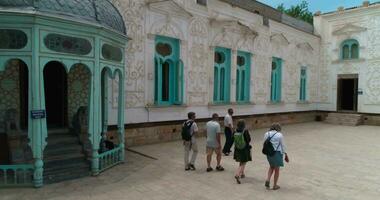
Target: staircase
x,y
348,119
63,157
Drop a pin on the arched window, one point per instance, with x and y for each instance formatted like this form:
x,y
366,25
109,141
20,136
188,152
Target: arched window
x,y
222,67
275,96
243,76
168,79
350,49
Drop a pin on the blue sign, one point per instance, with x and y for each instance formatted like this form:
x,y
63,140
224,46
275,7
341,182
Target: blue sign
x,y
38,114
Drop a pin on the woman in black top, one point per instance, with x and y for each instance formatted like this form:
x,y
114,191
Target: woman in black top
x,y
242,155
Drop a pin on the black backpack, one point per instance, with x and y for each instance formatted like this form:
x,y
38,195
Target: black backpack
x,y
268,147
186,130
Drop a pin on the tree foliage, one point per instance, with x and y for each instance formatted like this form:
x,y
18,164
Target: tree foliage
x,y
299,11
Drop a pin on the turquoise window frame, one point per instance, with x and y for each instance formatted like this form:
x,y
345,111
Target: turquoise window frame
x,y
222,76
348,51
175,74
303,84
243,77
276,79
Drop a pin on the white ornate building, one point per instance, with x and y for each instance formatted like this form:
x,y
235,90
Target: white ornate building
x,y
203,27
350,81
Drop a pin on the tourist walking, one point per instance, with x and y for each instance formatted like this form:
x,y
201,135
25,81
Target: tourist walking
x,y
275,137
242,153
213,143
189,131
228,131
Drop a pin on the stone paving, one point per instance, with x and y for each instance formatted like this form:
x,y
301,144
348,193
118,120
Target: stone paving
x,y
326,162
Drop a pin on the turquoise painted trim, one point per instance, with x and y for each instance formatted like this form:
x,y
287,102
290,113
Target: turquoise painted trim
x,y
352,48
39,55
106,73
5,59
27,31
16,175
75,34
110,158
120,115
243,78
222,77
175,74
115,44
276,80
303,84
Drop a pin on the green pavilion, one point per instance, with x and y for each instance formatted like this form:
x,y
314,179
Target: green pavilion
x,y
58,60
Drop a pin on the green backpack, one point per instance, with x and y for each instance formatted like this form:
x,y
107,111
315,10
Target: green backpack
x,y
239,140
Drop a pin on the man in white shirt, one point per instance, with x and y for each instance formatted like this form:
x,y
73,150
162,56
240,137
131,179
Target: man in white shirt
x,y
213,142
228,132
192,143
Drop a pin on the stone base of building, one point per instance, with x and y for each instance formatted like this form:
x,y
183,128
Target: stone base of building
x,y
150,133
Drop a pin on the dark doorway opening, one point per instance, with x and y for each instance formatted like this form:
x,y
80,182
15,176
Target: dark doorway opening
x,y
55,81
24,88
347,93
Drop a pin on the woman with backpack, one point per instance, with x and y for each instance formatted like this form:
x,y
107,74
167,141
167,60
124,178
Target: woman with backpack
x,y
275,155
242,153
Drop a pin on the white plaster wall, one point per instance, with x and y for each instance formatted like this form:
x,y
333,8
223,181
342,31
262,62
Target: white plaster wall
x,y
362,24
200,29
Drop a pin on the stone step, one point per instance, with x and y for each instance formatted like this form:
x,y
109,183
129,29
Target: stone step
x,y
58,131
67,149
67,167
62,157
349,119
57,142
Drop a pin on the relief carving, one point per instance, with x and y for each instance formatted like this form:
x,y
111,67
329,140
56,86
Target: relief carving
x,y
133,12
373,83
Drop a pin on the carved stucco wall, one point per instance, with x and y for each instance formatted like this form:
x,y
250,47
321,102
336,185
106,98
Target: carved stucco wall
x,y
197,79
78,89
133,12
373,71
9,88
364,26
199,30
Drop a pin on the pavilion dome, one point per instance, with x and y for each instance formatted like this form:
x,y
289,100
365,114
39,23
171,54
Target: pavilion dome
x,y
102,12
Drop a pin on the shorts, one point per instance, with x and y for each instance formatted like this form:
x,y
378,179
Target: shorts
x,y
210,150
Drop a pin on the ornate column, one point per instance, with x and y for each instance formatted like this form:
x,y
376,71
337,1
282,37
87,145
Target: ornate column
x,y
120,123
37,131
95,124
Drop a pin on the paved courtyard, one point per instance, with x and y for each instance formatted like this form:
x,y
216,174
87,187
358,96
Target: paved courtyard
x,y
326,162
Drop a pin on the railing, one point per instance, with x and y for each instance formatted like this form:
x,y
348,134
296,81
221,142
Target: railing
x,y
110,158
16,175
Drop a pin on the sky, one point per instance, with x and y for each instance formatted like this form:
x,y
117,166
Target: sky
x,y
315,5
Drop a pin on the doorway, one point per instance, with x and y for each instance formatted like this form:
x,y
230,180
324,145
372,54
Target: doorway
x,y
55,81
347,92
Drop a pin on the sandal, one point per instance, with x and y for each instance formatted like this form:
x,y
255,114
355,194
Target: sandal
x,y
237,179
276,187
219,168
267,184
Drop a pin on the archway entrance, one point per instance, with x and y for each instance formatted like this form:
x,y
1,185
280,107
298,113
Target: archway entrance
x,y
55,81
347,92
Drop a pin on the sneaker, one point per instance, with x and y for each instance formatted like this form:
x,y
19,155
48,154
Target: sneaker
x,y
187,168
242,176
237,179
209,169
219,168
267,184
226,154
192,167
